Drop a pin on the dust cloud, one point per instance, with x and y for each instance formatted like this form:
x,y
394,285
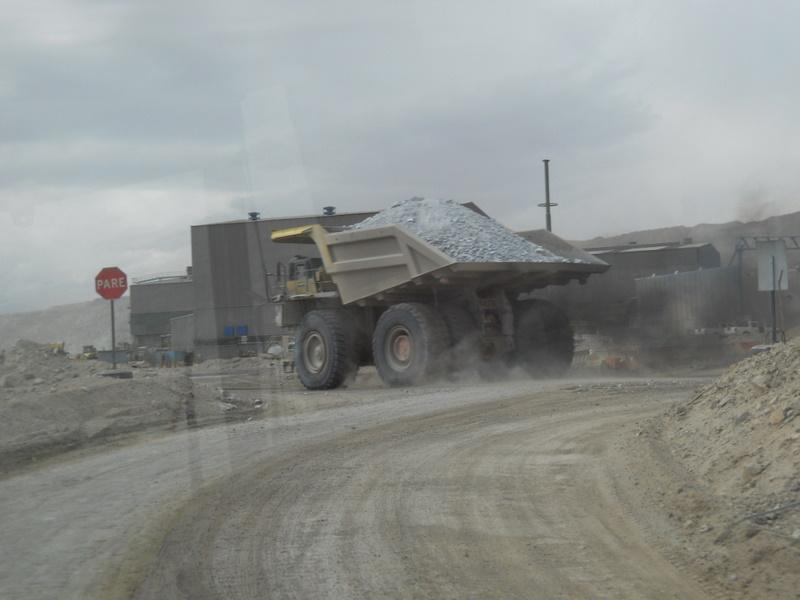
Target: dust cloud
x,y
754,204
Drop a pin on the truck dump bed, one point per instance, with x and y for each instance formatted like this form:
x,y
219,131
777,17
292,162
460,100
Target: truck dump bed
x,y
382,261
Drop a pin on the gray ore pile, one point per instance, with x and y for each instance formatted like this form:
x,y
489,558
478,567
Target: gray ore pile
x,y
461,233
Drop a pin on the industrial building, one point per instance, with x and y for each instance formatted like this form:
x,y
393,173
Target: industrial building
x,y
687,301
155,301
608,302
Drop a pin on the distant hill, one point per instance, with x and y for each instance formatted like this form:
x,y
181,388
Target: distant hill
x,y
76,325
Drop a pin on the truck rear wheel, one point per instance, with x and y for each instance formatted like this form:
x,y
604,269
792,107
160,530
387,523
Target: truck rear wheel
x,y
325,350
544,338
408,344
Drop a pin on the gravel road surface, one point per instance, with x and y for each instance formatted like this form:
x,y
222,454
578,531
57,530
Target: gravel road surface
x,y
513,490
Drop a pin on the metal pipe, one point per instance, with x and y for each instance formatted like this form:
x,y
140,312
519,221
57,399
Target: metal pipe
x,y
547,193
547,204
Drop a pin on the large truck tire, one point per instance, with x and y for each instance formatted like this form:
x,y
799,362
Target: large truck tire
x,y
544,339
409,343
325,349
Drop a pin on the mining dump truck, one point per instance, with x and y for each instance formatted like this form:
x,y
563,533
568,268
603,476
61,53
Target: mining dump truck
x,y
385,296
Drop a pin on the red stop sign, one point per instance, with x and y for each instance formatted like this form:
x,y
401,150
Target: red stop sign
x,y
111,283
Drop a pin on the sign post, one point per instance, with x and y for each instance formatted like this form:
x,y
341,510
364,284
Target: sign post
x,y
772,270
111,283
113,338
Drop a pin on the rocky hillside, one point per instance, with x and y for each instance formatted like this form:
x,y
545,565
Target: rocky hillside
x,y
739,439
75,324
740,433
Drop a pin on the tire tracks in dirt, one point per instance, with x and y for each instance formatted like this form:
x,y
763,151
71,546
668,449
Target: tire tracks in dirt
x,y
514,498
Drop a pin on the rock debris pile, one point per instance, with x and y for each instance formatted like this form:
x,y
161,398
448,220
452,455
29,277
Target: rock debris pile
x,y
29,366
738,508
461,233
742,432
50,403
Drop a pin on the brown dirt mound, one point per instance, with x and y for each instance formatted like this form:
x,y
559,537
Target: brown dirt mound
x,y
741,433
738,438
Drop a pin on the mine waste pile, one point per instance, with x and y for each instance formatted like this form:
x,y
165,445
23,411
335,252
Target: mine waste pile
x,y
738,509
742,432
50,403
461,233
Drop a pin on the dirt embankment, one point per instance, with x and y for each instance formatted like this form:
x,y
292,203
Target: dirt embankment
x,y
741,433
737,499
50,403
76,325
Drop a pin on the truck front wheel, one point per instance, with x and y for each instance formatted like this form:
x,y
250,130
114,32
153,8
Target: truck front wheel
x,y
409,343
325,350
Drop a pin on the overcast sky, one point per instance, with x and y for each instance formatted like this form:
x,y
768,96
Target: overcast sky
x,y
123,123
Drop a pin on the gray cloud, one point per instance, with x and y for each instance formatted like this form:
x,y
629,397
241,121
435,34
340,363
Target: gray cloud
x,y
123,123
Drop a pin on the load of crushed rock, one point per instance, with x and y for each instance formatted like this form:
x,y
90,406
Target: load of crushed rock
x,y
741,433
461,233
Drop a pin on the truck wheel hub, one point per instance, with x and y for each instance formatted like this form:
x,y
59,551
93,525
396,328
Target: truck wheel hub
x,y
314,352
399,346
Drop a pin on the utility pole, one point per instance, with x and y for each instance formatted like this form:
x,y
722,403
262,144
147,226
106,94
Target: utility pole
x,y
773,302
547,204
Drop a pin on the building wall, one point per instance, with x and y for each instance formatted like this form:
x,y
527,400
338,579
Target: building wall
x,y
757,305
154,304
182,333
681,302
607,300
233,271
153,340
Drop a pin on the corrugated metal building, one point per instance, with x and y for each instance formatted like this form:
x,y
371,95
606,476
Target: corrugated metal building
x,y
156,300
182,333
608,301
681,302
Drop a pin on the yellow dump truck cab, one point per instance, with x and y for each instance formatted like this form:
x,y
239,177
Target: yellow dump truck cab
x,y
306,278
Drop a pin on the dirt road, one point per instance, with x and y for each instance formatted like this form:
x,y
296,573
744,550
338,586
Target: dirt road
x,y
513,490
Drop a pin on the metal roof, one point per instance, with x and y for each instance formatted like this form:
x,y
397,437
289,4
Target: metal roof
x,y
638,249
635,248
162,278
365,214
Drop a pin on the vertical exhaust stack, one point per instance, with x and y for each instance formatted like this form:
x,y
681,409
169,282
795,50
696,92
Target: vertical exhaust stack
x,y
547,204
